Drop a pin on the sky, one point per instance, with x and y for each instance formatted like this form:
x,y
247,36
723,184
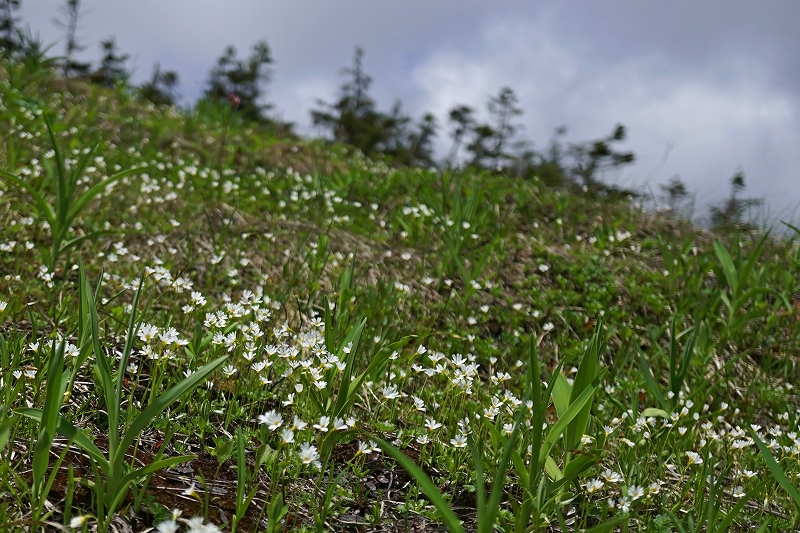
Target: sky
x,y
703,88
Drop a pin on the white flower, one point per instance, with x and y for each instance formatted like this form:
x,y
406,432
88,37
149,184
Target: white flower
x,y
309,454
390,392
635,492
287,436
364,448
611,476
167,526
298,425
77,521
323,424
432,424
694,458
272,419
460,441
594,485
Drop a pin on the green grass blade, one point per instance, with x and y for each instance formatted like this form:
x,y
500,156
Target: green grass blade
x,y
610,525
728,268
77,172
59,174
775,468
431,491
574,409
141,422
748,267
650,381
154,467
498,482
587,372
378,362
133,326
561,394
71,432
736,509
103,368
353,339
96,189
38,199
480,485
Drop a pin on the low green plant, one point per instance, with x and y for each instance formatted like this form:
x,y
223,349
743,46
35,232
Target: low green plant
x,y
539,493
778,473
680,360
742,286
243,497
113,476
65,207
708,517
48,424
276,511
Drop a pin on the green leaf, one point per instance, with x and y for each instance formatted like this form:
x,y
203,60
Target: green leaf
x,y
736,509
353,339
552,469
72,433
777,472
574,409
653,412
561,394
431,491
141,422
154,467
610,525
380,360
587,372
5,431
649,380
96,189
103,368
728,268
573,469
38,199
744,275
48,423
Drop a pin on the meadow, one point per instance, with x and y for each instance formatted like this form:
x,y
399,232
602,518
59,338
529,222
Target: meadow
x,y
206,327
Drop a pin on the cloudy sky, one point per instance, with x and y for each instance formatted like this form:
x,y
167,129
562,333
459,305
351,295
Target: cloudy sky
x,y
704,88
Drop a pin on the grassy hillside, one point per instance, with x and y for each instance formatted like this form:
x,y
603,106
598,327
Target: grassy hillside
x,y
274,334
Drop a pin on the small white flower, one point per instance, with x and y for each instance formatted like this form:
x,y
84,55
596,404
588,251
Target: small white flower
x,y
77,521
593,486
390,392
460,441
635,492
309,454
694,458
272,419
167,526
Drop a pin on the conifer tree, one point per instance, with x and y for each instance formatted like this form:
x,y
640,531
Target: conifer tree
x,y
9,38
70,13
162,87
112,69
243,78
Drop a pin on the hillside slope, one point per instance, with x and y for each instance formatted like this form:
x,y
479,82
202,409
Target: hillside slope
x,y
297,265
